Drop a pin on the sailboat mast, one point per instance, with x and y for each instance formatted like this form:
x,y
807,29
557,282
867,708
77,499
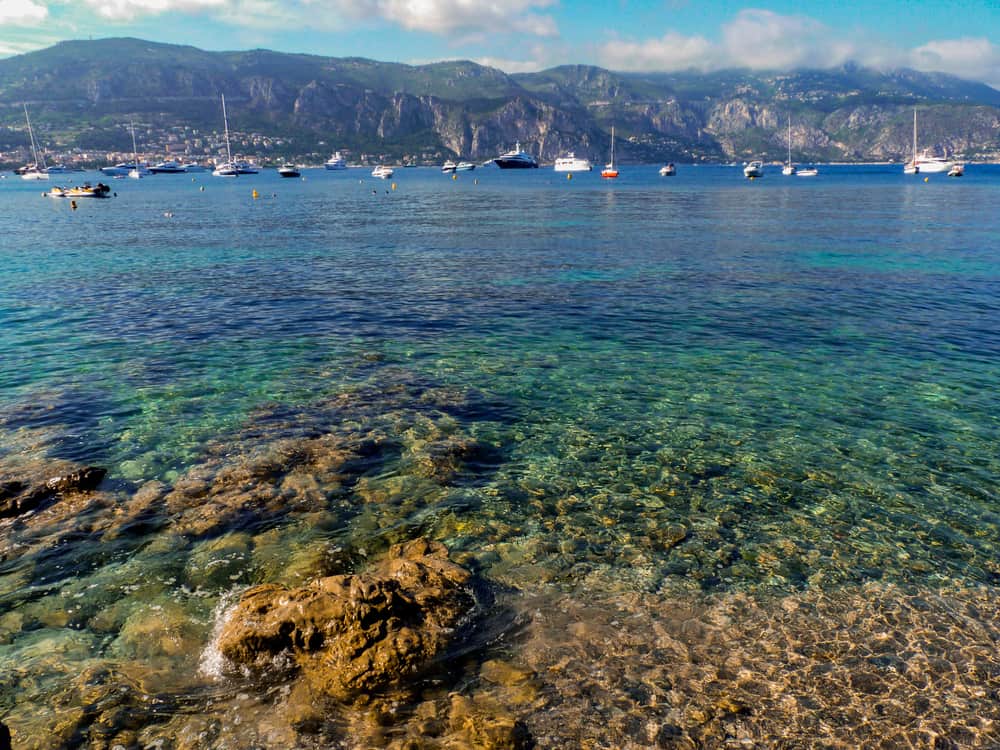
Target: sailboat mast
x,y
31,136
914,136
612,145
225,122
789,140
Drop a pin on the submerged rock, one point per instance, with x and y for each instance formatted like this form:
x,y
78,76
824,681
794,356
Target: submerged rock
x,y
351,634
18,496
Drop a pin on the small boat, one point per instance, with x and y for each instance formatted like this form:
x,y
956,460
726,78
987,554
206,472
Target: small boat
x,y
100,190
382,172
118,170
464,166
957,170
516,159
336,161
193,166
449,166
572,163
167,167
668,170
288,170
57,169
808,172
753,170
610,171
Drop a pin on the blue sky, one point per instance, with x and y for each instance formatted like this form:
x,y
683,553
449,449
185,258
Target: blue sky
x,y
960,37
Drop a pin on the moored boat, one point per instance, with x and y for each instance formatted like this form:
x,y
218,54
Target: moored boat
x,y
382,172
516,159
288,170
610,171
572,163
957,170
449,166
808,172
668,170
167,167
100,190
753,170
336,161
925,162
464,166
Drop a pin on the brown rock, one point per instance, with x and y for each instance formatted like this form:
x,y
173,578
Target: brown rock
x,y
351,634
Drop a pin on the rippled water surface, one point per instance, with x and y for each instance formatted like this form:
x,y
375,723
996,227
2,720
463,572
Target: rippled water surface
x,y
704,437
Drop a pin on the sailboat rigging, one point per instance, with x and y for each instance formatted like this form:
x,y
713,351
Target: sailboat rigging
x,y
136,172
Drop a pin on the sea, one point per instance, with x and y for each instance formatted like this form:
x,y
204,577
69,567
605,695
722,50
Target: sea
x,y
721,453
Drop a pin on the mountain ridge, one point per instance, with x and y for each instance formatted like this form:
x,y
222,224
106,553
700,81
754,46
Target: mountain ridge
x,y
300,105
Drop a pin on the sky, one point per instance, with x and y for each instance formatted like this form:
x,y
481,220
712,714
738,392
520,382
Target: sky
x,y
961,37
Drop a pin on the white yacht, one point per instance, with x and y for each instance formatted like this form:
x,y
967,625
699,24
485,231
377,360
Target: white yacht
x,y
808,172
754,170
288,170
572,163
516,159
382,172
464,166
193,166
449,166
231,168
336,161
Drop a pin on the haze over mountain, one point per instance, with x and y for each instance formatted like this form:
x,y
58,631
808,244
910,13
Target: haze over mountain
x,y
84,93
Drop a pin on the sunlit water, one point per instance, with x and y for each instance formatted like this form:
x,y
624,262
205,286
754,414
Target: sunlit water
x,y
698,389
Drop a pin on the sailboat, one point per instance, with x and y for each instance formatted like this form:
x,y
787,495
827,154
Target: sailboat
x,y
228,169
35,171
231,168
925,163
610,171
789,168
136,172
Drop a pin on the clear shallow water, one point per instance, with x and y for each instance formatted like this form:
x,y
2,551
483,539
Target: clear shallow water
x,y
692,385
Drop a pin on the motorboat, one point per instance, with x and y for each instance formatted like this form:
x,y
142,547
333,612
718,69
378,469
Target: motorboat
x,y
610,171
449,166
100,190
957,170
193,166
668,170
464,166
382,172
516,159
572,163
288,170
753,170
119,169
336,161
57,169
167,167
808,172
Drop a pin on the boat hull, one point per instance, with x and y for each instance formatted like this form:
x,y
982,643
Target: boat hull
x,y
515,163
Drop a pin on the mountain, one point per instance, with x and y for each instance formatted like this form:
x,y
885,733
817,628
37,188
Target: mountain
x,y
82,94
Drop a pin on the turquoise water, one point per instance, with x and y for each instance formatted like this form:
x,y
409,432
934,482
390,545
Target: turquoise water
x,y
692,386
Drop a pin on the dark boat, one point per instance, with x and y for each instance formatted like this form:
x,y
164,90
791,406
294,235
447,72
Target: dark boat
x,y
516,159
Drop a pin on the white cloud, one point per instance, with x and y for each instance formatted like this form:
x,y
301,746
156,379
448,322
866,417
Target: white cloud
x,y
764,40
447,16
974,58
22,12
130,10
672,51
